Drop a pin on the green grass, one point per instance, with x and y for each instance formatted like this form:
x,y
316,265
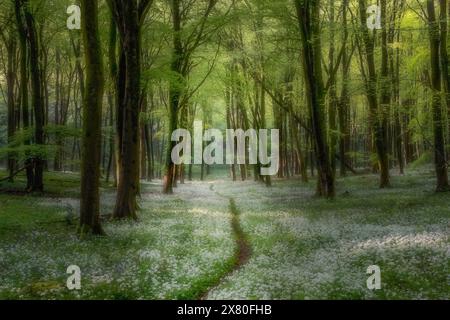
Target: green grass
x,y
302,247
56,184
177,250
309,248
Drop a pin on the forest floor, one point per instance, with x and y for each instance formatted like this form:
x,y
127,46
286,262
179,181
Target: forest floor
x,y
224,240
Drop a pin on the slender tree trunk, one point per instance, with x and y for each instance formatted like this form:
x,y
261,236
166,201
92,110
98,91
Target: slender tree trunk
x,y
394,58
10,83
36,97
344,102
23,87
143,139
174,95
58,93
111,139
150,145
385,99
309,23
76,46
113,100
332,95
378,125
149,150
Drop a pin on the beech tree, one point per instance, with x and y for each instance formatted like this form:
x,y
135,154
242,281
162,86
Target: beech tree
x,y
436,86
10,43
377,108
128,16
30,49
308,15
92,115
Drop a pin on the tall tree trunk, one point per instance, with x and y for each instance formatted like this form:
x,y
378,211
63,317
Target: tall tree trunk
x,y
58,103
111,140
128,181
10,83
267,179
438,119
308,15
229,125
143,139
332,95
36,96
174,94
92,115
113,100
128,16
376,115
385,99
394,61
444,56
23,88
149,150
344,101
150,145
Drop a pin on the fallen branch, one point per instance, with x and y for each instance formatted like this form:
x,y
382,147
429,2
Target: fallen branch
x,y
14,174
347,165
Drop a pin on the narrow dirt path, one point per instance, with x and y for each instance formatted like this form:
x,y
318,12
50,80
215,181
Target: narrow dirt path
x,y
243,248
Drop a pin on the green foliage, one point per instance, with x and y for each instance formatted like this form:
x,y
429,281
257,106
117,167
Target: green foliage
x,y
20,149
424,160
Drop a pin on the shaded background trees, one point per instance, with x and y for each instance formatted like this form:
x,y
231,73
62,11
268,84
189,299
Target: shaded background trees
x,y
345,98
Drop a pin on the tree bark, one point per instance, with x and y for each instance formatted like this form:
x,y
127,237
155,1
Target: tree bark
x,y
444,56
332,94
175,92
128,16
438,120
344,101
23,87
10,83
376,115
92,115
36,98
308,12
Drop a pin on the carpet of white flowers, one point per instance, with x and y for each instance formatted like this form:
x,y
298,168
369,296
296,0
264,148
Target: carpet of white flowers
x,y
179,248
306,248
302,247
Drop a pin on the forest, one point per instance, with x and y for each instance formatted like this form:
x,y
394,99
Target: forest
x,y
347,102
